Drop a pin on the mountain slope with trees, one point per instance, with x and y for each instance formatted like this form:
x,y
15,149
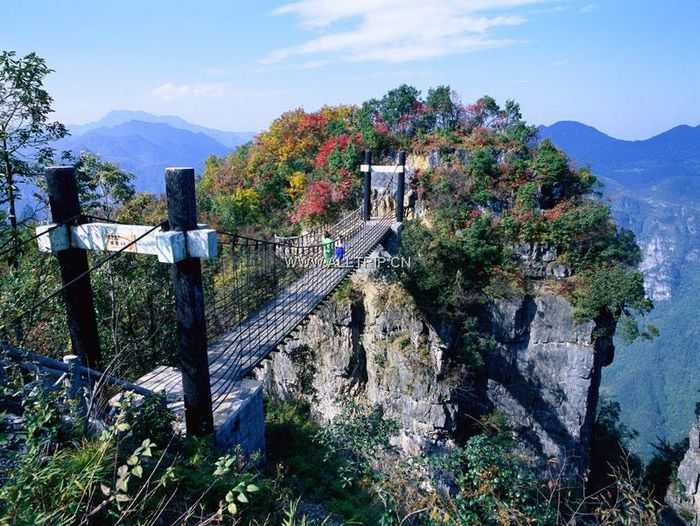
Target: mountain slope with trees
x,y
654,189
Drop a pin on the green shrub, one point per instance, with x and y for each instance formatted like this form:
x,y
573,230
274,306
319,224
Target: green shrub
x,y
329,464
615,292
526,196
448,269
495,486
69,475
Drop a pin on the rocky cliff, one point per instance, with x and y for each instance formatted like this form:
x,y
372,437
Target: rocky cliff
x,y
544,374
662,406
683,495
372,343
668,235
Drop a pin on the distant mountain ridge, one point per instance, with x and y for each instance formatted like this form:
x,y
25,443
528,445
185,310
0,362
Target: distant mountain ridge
x,y
146,149
636,164
229,139
143,144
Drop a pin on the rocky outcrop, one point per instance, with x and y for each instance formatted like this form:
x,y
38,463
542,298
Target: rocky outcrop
x,y
544,374
683,495
374,344
538,261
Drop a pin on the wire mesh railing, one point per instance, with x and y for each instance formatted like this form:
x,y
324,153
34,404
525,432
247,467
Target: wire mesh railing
x,y
268,287
234,355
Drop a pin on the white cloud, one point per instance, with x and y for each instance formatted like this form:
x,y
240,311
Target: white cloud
x,y
397,30
588,8
170,91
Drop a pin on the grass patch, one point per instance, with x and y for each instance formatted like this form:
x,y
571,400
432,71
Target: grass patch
x,y
346,292
311,469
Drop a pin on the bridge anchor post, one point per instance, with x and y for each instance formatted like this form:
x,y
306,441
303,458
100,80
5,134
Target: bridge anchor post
x,y
186,276
401,187
367,186
80,308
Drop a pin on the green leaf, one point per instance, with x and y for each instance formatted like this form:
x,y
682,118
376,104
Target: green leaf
x,y
252,488
122,484
230,497
232,508
242,498
137,471
123,426
122,498
132,460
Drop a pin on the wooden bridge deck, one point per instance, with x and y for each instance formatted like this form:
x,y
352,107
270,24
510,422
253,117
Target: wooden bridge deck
x,y
237,353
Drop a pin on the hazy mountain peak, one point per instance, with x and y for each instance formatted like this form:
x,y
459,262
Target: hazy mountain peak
x,y
146,148
229,139
640,164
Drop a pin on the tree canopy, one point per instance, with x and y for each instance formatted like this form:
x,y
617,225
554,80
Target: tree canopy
x,y
25,129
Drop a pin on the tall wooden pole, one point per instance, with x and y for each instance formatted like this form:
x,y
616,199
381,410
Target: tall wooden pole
x,y
401,187
186,276
367,186
80,308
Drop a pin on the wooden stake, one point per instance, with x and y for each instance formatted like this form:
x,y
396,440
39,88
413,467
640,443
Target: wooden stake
x,y
80,308
367,187
400,187
186,276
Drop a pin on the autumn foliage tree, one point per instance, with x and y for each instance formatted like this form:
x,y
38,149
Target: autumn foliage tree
x,y
496,187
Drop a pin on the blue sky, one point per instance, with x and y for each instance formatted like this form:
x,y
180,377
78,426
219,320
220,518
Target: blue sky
x,y
628,67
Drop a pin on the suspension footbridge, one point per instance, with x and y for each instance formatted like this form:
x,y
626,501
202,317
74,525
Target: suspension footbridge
x,y
234,354
266,288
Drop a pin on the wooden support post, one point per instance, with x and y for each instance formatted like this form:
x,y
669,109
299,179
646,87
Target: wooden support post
x,y
400,187
186,276
367,186
80,308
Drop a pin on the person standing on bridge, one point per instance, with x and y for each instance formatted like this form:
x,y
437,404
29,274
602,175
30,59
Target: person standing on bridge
x,y
328,246
340,250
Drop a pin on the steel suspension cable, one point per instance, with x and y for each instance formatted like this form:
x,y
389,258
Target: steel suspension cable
x,y
23,242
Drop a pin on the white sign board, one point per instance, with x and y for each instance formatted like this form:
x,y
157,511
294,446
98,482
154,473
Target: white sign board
x,y
169,246
382,168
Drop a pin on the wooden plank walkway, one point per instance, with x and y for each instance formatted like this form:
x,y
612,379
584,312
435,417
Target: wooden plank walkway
x,y
234,355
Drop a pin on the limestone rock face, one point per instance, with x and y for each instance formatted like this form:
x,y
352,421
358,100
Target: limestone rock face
x,y
539,261
544,375
375,345
683,495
